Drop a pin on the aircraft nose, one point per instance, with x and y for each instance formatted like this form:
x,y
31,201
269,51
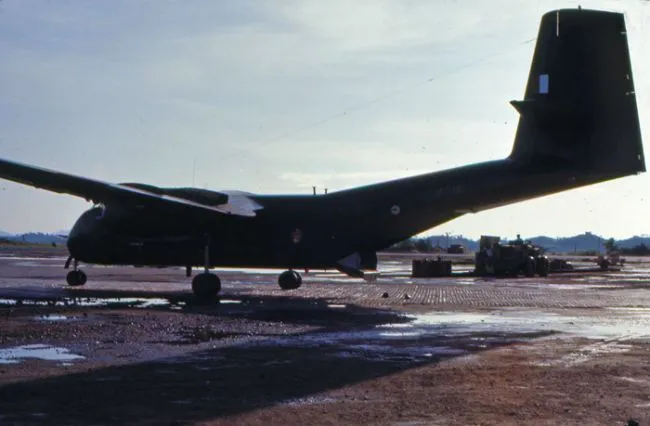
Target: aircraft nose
x,y
74,243
76,240
79,240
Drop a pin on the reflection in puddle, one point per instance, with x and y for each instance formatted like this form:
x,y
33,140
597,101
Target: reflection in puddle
x,y
336,306
110,302
309,400
629,323
129,301
443,334
51,317
138,302
45,352
423,338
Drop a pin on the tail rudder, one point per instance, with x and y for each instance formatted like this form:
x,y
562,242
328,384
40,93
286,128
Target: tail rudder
x,y
580,106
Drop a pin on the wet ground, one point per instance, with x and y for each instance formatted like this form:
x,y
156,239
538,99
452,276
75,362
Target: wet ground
x,y
132,346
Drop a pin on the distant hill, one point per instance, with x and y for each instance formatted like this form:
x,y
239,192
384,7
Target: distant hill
x,y
5,241
582,242
444,240
634,241
34,238
586,242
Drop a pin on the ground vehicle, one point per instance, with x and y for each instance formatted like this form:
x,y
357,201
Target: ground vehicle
x,y
517,257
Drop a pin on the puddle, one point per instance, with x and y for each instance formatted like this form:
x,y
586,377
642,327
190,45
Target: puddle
x,y
259,271
629,324
44,352
423,338
195,335
309,400
442,334
384,352
634,380
580,286
110,302
138,302
54,259
50,317
465,281
630,309
32,264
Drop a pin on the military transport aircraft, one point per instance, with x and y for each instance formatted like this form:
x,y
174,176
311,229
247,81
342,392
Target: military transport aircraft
x,y
578,125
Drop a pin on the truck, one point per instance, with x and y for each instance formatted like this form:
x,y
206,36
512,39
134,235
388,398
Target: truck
x,y
511,259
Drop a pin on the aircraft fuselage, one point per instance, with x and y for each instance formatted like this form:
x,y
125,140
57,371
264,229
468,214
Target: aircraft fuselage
x,y
310,231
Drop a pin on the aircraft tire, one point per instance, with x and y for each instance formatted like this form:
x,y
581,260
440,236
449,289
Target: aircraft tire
x,y
206,286
289,280
543,266
76,278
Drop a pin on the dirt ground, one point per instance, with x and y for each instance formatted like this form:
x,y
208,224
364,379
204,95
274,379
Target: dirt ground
x,y
132,347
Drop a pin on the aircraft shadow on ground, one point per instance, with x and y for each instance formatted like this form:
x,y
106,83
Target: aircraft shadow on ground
x,y
225,381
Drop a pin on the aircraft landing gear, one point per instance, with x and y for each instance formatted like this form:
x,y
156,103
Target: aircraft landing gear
x,y
76,277
206,285
289,280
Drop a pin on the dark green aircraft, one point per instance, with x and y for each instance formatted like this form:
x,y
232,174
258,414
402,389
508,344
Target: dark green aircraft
x,y
578,125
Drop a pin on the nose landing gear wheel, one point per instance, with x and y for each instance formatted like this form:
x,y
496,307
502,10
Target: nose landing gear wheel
x,y
76,278
206,286
289,280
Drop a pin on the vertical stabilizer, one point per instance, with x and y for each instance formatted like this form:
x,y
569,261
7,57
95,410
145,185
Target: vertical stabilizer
x,y
580,106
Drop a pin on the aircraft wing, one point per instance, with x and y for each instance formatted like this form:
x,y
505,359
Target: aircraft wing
x,y
103,192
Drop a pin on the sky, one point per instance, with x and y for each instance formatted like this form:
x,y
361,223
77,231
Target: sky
x,y
275,97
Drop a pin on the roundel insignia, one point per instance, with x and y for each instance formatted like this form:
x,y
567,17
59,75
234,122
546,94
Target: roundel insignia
x,y
395,210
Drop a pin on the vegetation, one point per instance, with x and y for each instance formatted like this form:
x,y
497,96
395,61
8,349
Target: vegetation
x,y
638,250
422,245
610,245
8,242
586,253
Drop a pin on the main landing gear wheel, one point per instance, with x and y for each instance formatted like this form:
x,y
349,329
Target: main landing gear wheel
x,y
289,280
206,286
530,266
76,278
543,266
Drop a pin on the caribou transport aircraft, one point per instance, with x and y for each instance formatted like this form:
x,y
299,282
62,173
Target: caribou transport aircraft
x,y
578,125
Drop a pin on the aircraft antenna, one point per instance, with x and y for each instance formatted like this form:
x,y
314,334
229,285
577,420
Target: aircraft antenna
x,y
369,103
364,105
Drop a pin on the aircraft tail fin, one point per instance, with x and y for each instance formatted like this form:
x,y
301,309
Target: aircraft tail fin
x,y
580,107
